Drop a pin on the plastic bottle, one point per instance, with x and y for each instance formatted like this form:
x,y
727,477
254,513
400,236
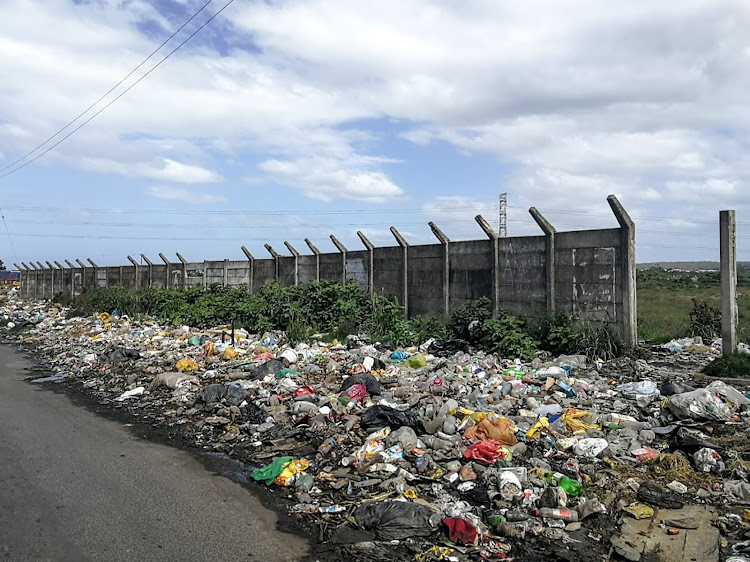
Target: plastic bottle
x,y
561,514
571,487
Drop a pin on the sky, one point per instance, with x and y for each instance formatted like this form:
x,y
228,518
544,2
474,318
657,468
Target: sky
x,y
283,120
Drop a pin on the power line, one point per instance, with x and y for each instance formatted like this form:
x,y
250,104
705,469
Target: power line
x,y
113,88
157,65
59,210
7,230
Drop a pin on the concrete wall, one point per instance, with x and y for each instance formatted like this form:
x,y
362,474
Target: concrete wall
x,y
589,274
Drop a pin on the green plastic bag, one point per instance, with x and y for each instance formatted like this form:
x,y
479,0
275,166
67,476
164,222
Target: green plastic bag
x,y
194,340
416,361
269,472
283,372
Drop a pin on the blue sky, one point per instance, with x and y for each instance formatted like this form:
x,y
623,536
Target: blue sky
x,y
291,119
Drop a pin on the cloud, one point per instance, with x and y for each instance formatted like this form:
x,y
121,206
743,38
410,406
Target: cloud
x,y
327,179
170,193
570,101
163,169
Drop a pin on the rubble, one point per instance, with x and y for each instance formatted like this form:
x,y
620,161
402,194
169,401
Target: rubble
x,y
441,452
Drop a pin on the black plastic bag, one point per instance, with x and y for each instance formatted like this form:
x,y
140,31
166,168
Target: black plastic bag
x,y
229,394
121,355
253,413
691,445
671,388
270,367
393,520
446,348
378,417
651,493
366,379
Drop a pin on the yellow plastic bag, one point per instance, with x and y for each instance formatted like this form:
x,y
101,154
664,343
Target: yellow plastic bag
x,y
543,423
228,354
104,317
187,365
573,420
286,478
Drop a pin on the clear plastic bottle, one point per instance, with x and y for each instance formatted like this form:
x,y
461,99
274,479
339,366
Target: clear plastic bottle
x,y
567,515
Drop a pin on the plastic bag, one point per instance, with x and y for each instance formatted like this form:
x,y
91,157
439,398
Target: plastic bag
x,y
416,361
171,380
460,531
632,390
650,492
707,460
573,420
590,447
187,365
728,393
291,472
216,393
487,452
366,379
395,520
269,472
495,428
229,353
447,348
377,417
268,368
699,404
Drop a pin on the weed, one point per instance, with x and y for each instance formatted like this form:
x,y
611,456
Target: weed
x,y
732,365
705,320
507,336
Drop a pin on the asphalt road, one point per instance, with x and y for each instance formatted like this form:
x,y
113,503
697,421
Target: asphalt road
x,y
77,487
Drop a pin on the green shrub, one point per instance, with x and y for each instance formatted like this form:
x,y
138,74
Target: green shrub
x,y
507,336
465,315
732,365
705,320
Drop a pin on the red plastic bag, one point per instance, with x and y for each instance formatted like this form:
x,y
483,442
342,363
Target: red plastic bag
x,y
460,531
487,452
356,392
304,391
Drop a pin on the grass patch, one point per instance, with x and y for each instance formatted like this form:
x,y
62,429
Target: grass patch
x,y
733,365
664,313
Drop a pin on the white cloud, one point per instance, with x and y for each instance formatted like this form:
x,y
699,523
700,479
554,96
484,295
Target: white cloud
x,y
327,179
170,193
577,100
163,169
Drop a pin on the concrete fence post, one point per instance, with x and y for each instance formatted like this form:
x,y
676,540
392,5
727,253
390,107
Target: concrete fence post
x,y
370,261
315,251
96,272
445,241
135,264
52,273
72,279
728,249
295,254
275,256
23,287
405,271
492,235
150,270
36,279
549,256
83,274
167,281
226,271
250,268
62,275
630,313
44,279
341,248
183,261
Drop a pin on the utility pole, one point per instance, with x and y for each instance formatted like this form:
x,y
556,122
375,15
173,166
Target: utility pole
x,y
502,219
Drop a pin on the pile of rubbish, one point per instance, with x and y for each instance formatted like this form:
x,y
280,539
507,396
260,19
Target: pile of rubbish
x,y
439,452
